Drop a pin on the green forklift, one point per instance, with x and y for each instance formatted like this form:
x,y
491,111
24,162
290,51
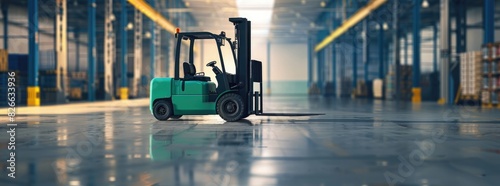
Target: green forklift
x,y
195,94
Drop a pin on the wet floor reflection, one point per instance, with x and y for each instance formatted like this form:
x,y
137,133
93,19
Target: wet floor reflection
x,y
350,145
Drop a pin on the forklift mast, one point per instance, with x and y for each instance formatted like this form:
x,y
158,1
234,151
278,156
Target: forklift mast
x,y
243,45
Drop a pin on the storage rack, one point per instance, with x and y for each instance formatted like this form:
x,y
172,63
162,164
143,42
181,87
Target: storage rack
x,y
491,75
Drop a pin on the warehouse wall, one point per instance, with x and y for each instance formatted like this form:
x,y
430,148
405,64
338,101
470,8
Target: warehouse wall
x,y
475,35
18,35
18,38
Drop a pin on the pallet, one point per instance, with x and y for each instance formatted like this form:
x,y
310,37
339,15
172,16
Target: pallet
x,y
470,97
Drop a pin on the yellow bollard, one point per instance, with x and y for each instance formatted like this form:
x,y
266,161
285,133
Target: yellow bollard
x,y
33,96
124,93
416,95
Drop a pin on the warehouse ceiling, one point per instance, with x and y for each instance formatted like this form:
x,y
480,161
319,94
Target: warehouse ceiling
x,y
290,20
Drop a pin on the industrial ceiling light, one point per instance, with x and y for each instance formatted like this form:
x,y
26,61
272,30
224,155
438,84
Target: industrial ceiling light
x,y
323,4
129,26
112,17
312,25
425,4
187,4
385,26
303,2
147,35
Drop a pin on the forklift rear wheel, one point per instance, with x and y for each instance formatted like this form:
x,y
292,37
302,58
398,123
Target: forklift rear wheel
x,y
230,107
176,116
162,110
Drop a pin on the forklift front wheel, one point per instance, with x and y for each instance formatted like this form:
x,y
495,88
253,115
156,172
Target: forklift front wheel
x,y
162,110
231,107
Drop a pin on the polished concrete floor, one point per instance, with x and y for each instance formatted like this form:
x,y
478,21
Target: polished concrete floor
x,y
357,142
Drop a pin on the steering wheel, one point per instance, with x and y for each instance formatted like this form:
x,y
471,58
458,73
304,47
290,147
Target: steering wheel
x,y
211,64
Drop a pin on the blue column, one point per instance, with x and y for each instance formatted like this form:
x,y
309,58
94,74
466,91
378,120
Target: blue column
x,y
489,21
33,88
416,53
319,70
123,46
381,50
33,42
152,46
334,68
77,48
354,62
309,60
434,48
91,48
320,65
366,50
5,14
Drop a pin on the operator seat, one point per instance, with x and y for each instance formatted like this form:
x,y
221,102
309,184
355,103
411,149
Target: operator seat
x,y
190,73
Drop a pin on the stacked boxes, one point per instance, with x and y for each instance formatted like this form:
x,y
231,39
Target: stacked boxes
x,y
491,74
470,73
405,83
485,96
78,88
20,89
18,64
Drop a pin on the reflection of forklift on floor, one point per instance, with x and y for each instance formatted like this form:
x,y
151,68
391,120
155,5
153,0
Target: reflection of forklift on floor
x,y
194,94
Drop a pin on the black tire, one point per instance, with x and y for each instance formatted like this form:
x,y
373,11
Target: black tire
x,y
162,110
176,116
231,107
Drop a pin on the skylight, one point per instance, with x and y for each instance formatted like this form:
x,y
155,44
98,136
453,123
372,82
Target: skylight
x,y
259,12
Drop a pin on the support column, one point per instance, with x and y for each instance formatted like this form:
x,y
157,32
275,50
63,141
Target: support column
x,y
354,62
134,92
152,46
396,48
366,51
319,65
123,46
489,21
91,49
416,90
61,51
76,34
334,68
158,51
268,67
434,48
445,51
5,15
109,50
310,51
33,88
319,69
461,45
381,50
405,39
